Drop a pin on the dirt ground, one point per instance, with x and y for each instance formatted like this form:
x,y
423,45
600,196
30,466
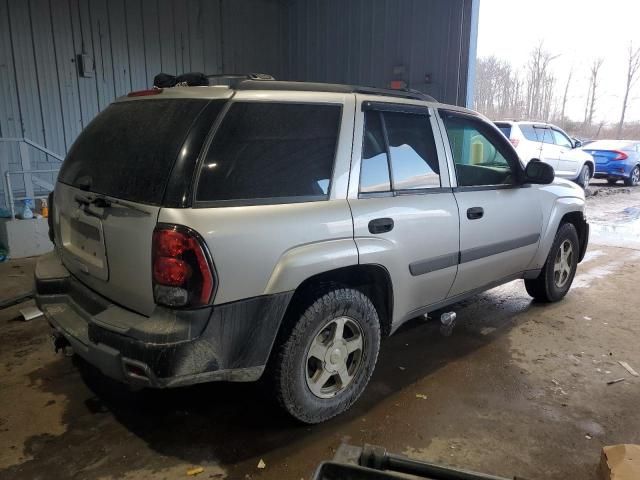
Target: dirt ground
x,y
517,389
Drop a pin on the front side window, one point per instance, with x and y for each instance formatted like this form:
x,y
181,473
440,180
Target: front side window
x,y
561,139
531,133
545,135
398,153
272,151
479,157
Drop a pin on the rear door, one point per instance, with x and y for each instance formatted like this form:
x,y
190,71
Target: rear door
x,y
500,219
111,188
404,212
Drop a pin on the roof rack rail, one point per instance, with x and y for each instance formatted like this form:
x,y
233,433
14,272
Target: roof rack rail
x,y
392,92
237,77
249,84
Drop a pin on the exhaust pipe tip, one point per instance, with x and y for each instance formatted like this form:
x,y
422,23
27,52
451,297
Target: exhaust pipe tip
x,y
61,343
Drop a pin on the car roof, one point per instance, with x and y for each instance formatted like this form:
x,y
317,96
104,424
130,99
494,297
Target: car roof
x,y
253,85
611,144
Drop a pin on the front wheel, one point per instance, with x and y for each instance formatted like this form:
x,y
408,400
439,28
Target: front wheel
x,y
634,177
326,361
557,274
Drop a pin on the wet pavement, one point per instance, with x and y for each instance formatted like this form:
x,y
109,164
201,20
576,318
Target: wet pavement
x,y
517,389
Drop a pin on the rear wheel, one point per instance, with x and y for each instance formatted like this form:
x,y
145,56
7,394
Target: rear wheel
x,y
326,361
634,177
556,276
584,177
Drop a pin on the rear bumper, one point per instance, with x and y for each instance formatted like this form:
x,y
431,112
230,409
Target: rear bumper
x,y
617,170
170,348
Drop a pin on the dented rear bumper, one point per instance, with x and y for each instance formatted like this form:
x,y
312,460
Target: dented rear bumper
x,y
229,342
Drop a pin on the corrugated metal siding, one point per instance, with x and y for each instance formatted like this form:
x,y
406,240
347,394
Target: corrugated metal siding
x,y
43,97
360,41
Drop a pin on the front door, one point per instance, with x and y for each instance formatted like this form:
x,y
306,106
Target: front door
x,y
567,163
549,151
404,212
500,220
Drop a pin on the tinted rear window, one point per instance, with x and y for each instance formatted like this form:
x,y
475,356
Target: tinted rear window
x,y
129,149
504,128
275,151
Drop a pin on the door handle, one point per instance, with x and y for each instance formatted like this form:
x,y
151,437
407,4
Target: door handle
x,y
381,225
475,213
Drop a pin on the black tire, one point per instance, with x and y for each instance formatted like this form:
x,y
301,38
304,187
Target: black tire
x,y
612,181
584,177
291,368
634,177
548,286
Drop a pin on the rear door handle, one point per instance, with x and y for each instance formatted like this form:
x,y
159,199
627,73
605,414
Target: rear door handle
x,y
475,213
381,225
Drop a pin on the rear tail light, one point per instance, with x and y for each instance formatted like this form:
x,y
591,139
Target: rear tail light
x,y
514,142
620,155
182,272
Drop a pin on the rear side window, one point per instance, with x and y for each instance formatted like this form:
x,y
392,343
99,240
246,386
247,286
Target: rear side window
x,y
271,151
411,154
505,128
374,173
129,149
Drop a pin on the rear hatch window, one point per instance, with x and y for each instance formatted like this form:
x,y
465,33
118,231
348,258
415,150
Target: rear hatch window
x,y
128,150
505,128
271,152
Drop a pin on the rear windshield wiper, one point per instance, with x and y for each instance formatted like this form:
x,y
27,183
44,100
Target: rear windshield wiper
x,y
103,202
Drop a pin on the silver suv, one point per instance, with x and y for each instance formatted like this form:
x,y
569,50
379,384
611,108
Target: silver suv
x,y
282,229
552,145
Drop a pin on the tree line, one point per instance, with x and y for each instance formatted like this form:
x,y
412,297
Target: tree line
x,y
504,92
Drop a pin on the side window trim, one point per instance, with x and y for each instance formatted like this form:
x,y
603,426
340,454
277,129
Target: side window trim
x,y
514,162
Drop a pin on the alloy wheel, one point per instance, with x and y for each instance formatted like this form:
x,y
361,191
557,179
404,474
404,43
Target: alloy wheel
x,y
563,264
334,357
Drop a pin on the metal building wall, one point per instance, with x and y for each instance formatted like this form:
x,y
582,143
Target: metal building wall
x,y
42,96
361,41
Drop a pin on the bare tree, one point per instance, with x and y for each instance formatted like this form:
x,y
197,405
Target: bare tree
x,y
540,83
633,67
498,88
565,96
593,87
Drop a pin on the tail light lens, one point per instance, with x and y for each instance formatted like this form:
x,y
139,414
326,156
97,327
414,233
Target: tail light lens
x,y
620,155
514,142
182,272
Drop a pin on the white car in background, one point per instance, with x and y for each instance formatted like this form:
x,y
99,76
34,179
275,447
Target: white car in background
x,y
551,145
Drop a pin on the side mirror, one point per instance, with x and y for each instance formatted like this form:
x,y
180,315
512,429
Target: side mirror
x,y
576,143
538,172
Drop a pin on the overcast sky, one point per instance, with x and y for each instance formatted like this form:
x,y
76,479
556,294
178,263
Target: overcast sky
x,y
577,30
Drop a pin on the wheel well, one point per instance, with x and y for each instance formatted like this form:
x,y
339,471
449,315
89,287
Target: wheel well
x,y
578,221
592,168
372,280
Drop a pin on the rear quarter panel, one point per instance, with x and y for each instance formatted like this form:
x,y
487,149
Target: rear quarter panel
x,y
265,249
